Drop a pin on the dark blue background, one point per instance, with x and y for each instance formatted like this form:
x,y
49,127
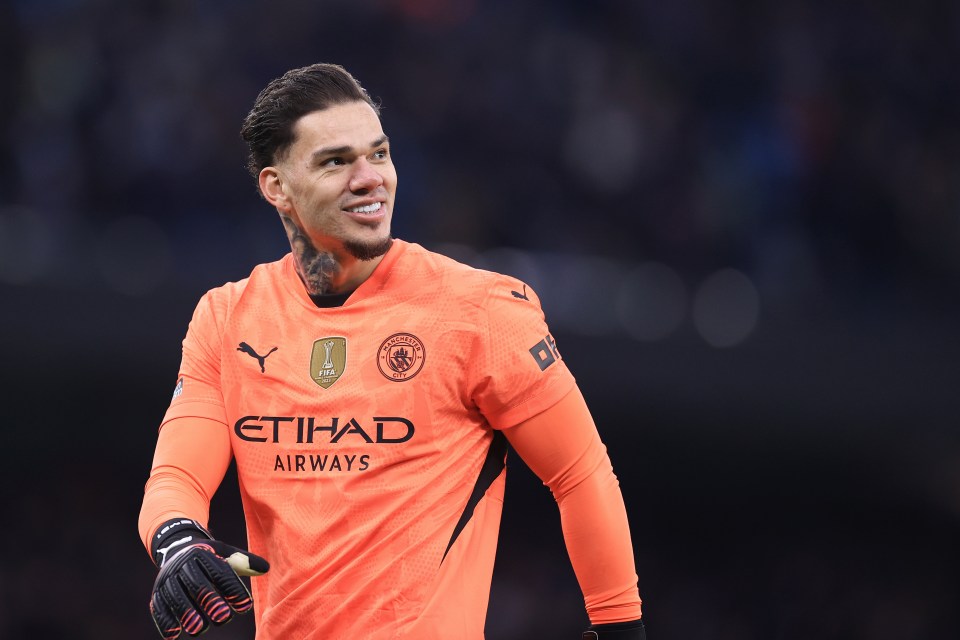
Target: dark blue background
x,y
743,219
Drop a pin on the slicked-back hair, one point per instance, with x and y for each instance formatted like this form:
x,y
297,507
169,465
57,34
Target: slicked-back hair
x,y
268,128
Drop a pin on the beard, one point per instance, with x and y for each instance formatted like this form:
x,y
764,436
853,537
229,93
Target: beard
x,y
368,250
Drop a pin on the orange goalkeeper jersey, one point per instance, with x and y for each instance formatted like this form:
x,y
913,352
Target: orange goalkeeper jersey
x,y
366,437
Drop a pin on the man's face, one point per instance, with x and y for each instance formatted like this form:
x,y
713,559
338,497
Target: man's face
x,y
339,180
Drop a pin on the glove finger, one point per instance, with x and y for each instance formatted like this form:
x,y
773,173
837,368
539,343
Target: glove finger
x,y
190,620
166,622
204,594
226,582
247,564
241,561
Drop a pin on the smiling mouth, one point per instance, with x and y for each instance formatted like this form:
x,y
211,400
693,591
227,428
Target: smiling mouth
x,y
368,208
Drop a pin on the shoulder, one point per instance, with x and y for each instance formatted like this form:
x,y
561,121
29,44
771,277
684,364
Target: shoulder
x,y
222,299
455,278
432,261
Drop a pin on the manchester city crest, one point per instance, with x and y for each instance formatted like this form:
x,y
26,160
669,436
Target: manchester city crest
x,y
401,356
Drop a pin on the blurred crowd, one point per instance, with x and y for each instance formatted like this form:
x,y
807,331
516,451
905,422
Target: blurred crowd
x,y
804,153
813,145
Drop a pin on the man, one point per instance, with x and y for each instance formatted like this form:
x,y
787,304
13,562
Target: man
x,y
367,389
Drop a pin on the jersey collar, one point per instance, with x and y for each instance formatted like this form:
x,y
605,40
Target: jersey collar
x,y
367,288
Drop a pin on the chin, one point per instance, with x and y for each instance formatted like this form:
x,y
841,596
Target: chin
x,y
368,249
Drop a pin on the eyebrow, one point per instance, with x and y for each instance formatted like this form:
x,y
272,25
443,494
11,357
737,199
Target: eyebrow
x,y
338,151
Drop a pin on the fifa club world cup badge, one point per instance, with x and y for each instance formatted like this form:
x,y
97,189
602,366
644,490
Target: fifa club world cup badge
x,y
328,360
401,356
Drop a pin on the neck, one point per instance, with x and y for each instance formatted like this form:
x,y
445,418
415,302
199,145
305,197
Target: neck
x,y
326,271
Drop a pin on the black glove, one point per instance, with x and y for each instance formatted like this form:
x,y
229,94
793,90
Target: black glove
x,y
198,582
616,631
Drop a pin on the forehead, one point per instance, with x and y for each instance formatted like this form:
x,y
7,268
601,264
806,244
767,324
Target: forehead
x,y
352,124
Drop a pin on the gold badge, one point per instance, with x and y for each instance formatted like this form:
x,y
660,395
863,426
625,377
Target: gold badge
x,y
328,360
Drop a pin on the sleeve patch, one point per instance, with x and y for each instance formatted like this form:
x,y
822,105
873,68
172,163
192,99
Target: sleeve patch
x,y
545,352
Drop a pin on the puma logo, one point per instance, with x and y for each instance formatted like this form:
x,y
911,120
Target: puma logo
x,y
247,349
522,296
176,543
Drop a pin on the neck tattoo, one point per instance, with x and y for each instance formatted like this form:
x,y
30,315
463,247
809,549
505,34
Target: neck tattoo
x,y
315,268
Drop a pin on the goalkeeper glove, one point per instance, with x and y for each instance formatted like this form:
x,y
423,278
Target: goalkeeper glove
x,y
616,631
198,582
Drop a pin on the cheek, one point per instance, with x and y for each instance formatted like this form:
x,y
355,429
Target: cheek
x,y
321,199
390,178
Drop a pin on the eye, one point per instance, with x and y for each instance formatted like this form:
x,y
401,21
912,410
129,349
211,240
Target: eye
x,y
381,154
336,161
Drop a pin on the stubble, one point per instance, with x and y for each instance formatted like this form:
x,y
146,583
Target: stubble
x,y
319,269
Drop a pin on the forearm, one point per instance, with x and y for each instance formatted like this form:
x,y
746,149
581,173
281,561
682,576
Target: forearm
x,y
562,446
597,536
169,493
191,459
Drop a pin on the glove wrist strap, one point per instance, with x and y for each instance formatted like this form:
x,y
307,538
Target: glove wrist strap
x,y
632,630
173,535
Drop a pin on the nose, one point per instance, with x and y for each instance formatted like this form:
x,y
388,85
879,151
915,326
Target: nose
x,y
365,177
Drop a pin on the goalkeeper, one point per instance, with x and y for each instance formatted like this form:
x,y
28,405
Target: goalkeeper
x,y
367,389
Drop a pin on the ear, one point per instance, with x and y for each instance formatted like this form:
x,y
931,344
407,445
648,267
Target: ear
x,y
272,188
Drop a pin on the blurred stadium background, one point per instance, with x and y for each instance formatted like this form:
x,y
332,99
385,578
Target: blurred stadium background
x,y
743,218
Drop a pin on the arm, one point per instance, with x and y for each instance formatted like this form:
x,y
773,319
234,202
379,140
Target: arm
x,y
197,584
562,447
191,458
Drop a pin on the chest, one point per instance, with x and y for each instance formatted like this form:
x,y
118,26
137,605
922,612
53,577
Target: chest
x,y
361,374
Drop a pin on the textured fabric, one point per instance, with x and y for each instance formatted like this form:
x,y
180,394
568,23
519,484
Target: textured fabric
x,y
562,446
359,434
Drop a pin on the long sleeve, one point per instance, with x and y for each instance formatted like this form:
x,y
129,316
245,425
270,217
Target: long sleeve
x,y
562,447
190,461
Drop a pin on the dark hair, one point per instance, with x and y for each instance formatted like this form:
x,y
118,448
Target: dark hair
x,y
268,128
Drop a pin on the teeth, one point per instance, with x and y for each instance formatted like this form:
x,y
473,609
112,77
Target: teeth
x,y
370,208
